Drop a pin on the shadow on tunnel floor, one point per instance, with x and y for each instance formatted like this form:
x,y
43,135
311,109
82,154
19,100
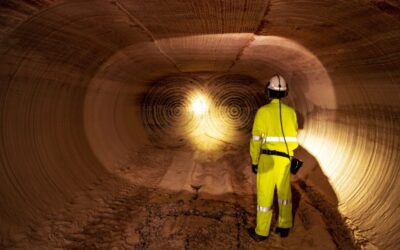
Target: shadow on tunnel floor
x,y
311,185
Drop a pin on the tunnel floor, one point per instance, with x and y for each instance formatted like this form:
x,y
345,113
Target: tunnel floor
x,y
144,215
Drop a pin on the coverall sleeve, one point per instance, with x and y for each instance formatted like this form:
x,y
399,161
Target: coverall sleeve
x,y
256,139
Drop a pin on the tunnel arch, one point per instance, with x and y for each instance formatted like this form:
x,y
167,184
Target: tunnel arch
x,y
265,56
47,74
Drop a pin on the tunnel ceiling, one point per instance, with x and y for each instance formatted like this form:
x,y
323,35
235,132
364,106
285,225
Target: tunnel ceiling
x,y
73,72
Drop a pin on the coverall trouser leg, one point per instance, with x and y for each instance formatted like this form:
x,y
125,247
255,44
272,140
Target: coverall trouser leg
x,y
273,171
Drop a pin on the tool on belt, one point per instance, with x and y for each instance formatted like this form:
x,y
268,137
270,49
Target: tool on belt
x,y
295,164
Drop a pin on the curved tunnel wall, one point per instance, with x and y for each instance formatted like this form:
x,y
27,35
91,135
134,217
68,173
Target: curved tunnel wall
x,y
72,74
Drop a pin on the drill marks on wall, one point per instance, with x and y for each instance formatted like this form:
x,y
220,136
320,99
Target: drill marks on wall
x,y
201,35
197,17
136,21
165,111
374,146
220,28
232,101
309,82
217,52
261,26
236,100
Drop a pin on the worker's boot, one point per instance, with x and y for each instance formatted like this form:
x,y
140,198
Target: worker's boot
x,y
255,236
283,232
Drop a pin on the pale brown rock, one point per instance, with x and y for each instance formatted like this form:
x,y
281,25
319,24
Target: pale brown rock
x,y
96,129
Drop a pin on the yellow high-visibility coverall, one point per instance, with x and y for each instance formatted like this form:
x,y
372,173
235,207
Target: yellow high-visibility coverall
x,y
273,170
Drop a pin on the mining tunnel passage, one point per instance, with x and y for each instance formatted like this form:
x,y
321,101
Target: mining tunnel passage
x,y
126,124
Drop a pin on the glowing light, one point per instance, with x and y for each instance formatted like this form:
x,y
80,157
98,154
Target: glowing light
x,y
205,127
199,105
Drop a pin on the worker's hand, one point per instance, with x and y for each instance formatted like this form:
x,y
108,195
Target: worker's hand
x,y
254,168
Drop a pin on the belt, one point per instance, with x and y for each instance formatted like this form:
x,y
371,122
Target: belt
x,y
273,152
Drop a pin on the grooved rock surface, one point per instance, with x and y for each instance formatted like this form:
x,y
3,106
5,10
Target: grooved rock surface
x,y
95,98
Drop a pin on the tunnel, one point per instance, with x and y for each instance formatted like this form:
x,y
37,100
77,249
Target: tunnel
x,y
126,124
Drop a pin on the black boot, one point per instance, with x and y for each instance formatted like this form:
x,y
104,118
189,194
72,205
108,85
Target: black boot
x,y
284,232
255,236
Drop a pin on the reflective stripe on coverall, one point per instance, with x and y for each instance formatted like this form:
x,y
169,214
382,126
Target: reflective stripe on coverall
x,y
273,170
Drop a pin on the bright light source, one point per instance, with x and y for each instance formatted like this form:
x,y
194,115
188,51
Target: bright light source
x,y
199,105
206,128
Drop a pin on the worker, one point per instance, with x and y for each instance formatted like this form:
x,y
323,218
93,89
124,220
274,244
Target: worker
x,y
274,137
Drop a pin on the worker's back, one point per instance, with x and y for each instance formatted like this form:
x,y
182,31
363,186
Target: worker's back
x,y
268,125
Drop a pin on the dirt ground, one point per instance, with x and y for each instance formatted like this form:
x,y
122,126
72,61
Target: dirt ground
x,y
172,208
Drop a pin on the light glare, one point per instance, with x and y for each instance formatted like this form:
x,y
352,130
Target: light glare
x,y
199,105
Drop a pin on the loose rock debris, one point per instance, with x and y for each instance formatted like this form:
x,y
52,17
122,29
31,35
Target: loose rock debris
x,y
150,218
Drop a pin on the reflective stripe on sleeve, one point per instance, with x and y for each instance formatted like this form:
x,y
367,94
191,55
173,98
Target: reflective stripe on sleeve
x,y
284,202
263,209
279,139
256,138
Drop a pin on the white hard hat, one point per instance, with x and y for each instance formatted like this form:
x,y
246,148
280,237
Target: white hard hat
x,y
276,87
277,83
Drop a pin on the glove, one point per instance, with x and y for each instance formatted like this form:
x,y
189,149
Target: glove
x,y
254,168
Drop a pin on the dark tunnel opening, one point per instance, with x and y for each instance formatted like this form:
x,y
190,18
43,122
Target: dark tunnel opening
x,y
126,124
